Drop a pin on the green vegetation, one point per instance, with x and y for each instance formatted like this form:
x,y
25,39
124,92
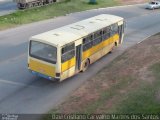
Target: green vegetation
x,y
145,99
58,9
92,2
128,85
106,95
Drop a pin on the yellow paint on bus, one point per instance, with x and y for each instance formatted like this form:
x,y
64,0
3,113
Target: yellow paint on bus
x,y
42,68
74,38
68,64
96,48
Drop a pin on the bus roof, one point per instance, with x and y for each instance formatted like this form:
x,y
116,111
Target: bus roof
x,y
75,31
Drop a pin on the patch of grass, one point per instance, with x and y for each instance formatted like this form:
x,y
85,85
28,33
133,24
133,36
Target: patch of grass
x,y
107,94
128,85
46,12
143,99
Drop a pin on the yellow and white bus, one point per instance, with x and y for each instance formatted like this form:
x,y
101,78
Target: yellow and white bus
x,y
63,52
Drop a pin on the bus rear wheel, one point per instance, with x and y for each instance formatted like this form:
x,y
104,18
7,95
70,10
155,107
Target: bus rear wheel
x,y
115,45
85,65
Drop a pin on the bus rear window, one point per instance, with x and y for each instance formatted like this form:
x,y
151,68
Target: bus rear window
x,y
43,51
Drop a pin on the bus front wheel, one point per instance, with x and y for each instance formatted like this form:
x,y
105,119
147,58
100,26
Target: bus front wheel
x,y
85,65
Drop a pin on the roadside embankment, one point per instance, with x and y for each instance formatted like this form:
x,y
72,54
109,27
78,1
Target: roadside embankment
x,y
128,85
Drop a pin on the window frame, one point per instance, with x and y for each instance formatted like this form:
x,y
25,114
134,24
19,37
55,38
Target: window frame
x,y
67,49
113,30
40,58
72,49
89,42
88,45
107,33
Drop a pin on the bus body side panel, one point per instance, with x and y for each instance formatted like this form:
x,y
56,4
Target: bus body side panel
x,y
68,68
93,53
68,64
108,48
68,73
116,39
101,49
72,66
42,67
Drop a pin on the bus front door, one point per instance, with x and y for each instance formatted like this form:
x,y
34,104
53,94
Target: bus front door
x,y
78,57
120,32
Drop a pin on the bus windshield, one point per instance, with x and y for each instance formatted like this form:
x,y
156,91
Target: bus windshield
x,y
43,51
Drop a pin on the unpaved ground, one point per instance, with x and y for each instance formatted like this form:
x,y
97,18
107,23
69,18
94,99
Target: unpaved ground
x,y
108,87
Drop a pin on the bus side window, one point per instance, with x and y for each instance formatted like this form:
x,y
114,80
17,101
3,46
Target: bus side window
x,y
106,33
97,34
98,37
67,56
68,52
87,42
87,39
68,48
87,46
111,31
90,37
114,29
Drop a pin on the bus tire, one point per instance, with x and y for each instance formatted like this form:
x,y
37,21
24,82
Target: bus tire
x,y
116,44
85,65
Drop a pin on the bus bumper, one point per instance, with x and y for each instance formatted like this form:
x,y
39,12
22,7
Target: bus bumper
x,y
44,76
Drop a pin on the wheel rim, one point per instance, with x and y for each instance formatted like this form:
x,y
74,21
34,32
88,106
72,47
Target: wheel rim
x,y
86,64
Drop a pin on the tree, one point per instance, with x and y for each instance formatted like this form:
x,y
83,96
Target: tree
x,y
93,1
